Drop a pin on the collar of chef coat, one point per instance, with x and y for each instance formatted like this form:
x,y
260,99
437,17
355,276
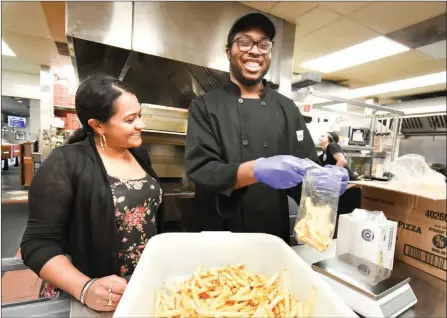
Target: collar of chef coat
x,y
234,90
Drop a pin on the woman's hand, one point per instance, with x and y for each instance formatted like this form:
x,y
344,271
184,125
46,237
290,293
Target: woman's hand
x,y
105,289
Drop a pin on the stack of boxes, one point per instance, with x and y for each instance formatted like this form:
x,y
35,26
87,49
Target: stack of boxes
x,y
71,121
62,98
62,95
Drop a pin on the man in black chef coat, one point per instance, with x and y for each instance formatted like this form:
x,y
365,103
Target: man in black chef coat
x,y
231,127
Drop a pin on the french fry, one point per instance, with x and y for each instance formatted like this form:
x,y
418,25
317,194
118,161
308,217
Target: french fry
x,y
230,291
287,296
315,228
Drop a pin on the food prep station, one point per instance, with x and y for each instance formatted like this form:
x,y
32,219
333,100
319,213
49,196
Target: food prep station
x,y
430,293
161,74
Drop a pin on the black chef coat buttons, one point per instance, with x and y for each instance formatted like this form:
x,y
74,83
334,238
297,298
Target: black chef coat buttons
x,y
245,142
265,144
240,100
263,103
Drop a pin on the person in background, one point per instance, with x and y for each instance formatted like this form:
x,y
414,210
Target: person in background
x,y
333,155
96,199
247,145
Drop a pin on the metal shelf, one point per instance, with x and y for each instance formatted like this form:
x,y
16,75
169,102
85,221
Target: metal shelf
x,y
355,155
352,148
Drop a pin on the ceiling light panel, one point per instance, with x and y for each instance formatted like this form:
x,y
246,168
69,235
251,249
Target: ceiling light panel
x,y
361,53
6,50
402,85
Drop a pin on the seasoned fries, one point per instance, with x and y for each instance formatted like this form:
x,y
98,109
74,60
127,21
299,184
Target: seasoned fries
x,y
315,229
230,291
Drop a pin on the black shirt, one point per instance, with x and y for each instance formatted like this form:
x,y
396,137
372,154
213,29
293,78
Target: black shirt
x,y
327,158
225,130
71,211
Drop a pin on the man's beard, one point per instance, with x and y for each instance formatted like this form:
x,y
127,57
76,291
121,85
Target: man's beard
x,y
237,73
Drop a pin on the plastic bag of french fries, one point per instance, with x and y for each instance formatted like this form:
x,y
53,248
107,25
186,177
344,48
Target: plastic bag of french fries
x,y
231,291
317,216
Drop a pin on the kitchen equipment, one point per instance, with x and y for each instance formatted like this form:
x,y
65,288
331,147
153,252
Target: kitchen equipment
x,y
176,255
370,290
379,166
368,235
359,137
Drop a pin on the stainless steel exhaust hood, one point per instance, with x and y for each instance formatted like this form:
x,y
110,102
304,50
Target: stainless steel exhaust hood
x,y
429,124
169,52
155,80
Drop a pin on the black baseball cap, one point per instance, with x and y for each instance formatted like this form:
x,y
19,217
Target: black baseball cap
x,y
249,21
334,136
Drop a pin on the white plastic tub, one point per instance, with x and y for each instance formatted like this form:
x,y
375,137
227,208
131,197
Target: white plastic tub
x,y
173,255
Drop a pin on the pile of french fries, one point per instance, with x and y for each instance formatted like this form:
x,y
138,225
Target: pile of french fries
x,y
316,228
230,291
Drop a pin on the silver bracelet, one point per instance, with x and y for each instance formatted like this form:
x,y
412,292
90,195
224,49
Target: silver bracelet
x,y
85,289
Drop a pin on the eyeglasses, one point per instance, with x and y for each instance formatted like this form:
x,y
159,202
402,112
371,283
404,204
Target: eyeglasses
x,y
246,45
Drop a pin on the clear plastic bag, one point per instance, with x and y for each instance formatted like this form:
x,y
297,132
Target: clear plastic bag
x,y
413,173
315,222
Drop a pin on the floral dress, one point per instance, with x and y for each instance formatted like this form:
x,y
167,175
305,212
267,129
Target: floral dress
x,y
136,203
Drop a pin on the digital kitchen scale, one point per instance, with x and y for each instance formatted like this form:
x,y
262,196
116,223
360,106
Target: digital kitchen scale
x,y
370,290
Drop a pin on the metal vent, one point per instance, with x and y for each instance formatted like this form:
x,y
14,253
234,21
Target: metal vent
x,y
204,77
437,121
425,125
412,123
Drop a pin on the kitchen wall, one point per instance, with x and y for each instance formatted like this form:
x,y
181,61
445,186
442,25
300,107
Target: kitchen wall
x,y
34,119
432,150
16,84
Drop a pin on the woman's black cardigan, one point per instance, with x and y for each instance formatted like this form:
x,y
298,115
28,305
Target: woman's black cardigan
x,y
71,211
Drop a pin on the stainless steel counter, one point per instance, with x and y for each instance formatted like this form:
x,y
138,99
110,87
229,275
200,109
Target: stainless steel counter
x,y
430,292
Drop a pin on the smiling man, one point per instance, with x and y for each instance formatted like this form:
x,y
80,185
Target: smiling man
x,y
246,143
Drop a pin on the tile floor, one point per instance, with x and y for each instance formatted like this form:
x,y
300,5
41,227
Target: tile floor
x,y
21,285
18,286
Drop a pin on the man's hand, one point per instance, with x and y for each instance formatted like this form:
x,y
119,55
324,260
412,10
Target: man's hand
x,y
344,176
281,172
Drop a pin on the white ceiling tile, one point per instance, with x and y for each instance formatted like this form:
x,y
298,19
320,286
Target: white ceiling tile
x,y
333,37
387,17
313,20
393,68
35,49
25,18
290,11
345,7
436,50
263,6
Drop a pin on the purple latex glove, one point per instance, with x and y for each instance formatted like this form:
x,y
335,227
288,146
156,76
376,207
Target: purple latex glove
x,y
280,172
344,177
